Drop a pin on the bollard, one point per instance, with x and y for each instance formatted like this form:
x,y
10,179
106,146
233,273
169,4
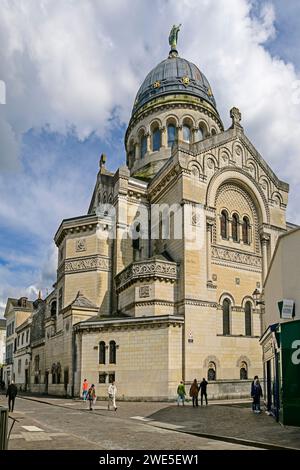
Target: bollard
x,y
3,427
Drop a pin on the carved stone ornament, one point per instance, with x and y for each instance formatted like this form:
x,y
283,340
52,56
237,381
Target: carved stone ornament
x,y
144,291
90,263
147,269
234,256
81,244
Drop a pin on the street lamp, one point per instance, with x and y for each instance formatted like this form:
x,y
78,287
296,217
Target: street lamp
x,y
256,296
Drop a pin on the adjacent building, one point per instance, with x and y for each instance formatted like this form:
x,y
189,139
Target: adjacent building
x,y
2,347
17,311
281,339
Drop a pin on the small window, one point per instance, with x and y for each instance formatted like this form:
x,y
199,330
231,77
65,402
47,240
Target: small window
x,y
53,309
112,352
171,135
156,139
186,130
235,227
224,225
102,352
211,372
19,366
102,377
111,377
226,316
246,231
27,336
22,341
60,299
198,135
143,146
243,371
248,319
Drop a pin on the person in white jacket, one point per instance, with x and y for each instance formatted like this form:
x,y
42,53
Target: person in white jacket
x,y
112,393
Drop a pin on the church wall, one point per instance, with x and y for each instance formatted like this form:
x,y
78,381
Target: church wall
x,y
148,361
226,352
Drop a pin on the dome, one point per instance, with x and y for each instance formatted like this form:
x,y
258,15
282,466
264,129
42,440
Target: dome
x,y
174,75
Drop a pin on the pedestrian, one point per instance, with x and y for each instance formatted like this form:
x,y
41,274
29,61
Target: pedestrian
x,y
85,388
256,393
194,391
91,396
252,389
181,393
203,389
112,393
11,393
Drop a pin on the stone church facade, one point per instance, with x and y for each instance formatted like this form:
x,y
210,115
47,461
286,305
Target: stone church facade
x,y
155,283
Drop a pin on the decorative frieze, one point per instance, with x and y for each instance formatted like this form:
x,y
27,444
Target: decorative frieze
x,y
89,263
235,256
154,268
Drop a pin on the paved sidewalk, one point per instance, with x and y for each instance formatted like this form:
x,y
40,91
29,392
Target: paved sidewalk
x,y
230,421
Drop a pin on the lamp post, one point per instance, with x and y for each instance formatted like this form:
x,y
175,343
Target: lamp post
x,y
257,295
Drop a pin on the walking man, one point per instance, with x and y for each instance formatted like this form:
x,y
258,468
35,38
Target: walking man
x,y
203,392
256,393
181,393
11,393
112,393
85,388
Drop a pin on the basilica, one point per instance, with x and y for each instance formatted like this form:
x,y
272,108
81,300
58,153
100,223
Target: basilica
x,y
155,283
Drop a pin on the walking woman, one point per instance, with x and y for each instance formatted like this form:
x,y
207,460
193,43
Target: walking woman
x,y
194,391
91,396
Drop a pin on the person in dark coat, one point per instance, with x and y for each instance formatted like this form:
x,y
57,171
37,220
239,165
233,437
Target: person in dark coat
x,y
256,393
194,391
11,393
203,392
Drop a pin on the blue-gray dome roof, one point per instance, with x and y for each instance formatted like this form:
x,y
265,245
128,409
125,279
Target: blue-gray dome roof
x,y
174,75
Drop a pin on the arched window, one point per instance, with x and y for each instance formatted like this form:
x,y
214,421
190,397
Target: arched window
x,y
156,139
246,231
198,135
143,144
186,131
248,319
211,372
213,131
224,224
243,371
112,352
171,134
235,228
226,316
102,352
53,308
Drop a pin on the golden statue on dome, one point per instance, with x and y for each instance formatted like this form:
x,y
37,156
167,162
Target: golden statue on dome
x,y
173,36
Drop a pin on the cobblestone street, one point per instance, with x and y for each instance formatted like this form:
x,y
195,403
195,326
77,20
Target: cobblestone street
x,y
54,423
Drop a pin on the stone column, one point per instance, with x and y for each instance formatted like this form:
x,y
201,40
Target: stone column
x,y
148,136
265,238
209,226
164,137
179,133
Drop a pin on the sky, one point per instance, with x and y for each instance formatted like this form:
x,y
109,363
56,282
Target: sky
x,y
71,69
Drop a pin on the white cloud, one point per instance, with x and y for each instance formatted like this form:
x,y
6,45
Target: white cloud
x,y
74,64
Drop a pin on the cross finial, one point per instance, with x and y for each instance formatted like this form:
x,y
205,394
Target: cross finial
x,y
236,117
102,161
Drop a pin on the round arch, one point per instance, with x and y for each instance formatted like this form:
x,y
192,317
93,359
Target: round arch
x,y
245,182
